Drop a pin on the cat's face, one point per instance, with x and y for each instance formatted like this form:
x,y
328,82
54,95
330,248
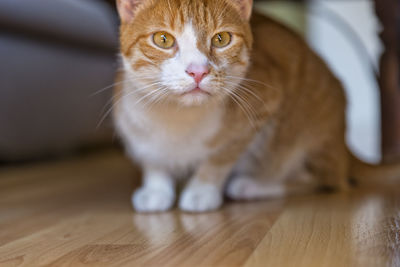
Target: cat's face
x,y
186,51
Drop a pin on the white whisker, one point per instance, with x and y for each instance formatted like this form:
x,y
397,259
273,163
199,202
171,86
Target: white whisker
x,y
251,80
121,93
242,87
250,109
238,101
161,92
129,79
124,96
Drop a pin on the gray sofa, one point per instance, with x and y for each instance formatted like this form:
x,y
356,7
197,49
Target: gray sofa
x,y
54,54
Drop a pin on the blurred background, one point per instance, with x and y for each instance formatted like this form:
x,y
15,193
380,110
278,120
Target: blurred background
x,y
59,59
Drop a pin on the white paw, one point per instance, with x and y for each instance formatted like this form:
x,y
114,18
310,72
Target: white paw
x,y
242,188
247,188
200,197
148,199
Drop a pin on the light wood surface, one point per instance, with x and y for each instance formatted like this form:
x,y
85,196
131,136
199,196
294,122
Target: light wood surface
x,y
78,213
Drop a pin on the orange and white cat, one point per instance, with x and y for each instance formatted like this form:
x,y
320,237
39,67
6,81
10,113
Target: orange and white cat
x,y
234,105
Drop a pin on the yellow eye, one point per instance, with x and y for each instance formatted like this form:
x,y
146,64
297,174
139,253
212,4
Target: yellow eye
x,y
221,39
163,40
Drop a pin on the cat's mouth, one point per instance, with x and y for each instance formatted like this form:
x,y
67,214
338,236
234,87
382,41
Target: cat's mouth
x,y
195,96
196,90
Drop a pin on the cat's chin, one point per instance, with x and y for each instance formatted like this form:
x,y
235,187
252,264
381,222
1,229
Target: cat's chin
x,y
194,99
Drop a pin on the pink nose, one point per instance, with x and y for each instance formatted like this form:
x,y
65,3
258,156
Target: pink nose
x,y
198,72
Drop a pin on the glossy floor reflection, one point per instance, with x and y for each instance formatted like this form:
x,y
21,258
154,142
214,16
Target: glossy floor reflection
x,y
77,213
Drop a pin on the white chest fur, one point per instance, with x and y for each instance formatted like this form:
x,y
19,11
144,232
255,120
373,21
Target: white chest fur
x,y
170,137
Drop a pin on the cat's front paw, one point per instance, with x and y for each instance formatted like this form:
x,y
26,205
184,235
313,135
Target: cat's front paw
x,y
200,198
241,188
147,199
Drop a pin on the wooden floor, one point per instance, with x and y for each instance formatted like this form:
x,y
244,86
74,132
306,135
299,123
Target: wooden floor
x,y
78,212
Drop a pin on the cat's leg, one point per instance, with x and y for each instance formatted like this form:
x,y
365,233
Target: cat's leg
x,y
327,169
291,169
251,188
249,179
204,191
245,187
277,171
157,192
257,175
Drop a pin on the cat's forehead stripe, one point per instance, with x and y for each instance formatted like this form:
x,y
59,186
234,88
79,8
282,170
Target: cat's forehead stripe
x,y
188,50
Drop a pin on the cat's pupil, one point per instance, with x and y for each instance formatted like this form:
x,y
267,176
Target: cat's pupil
x,y
219,38
164,38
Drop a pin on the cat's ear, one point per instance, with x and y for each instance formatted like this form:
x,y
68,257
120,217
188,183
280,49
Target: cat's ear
x,y
245,7
127,8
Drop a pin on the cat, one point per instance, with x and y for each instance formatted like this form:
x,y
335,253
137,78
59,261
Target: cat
x,y
232,100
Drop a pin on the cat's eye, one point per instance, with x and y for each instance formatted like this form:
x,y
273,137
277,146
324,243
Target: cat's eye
x,y
221,39
163,40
